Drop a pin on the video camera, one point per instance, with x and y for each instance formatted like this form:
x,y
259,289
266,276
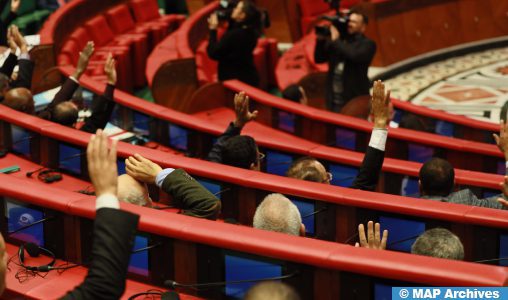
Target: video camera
x,y
226,9
339,21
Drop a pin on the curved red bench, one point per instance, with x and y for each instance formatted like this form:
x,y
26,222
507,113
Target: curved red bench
x,y
342,198
312,253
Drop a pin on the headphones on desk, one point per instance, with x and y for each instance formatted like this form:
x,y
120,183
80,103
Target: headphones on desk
x,y
34,251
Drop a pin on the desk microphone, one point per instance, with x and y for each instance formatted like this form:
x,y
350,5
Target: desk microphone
x,y
31,224
173,284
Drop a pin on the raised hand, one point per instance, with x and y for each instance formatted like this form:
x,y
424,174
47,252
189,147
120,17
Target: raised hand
x,y
373,239
243,115
102,167
18,39
110,69
10,40
84,58
142,169
502,139
380,105
213,22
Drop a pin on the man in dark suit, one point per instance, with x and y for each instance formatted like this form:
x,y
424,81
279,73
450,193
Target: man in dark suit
x,y
62,109
310,169
114,229
234,149
348,61
187,194
437,182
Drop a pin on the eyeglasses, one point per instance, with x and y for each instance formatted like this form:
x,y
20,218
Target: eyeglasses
x,y
261,156
329,177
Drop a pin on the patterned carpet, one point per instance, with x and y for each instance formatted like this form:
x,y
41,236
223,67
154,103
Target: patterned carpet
x,y
475,85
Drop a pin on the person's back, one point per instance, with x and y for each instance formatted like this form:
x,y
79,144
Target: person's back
x,y
437,181
234,50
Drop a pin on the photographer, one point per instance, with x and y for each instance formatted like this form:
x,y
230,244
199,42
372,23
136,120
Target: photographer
x,y
234,50
348,57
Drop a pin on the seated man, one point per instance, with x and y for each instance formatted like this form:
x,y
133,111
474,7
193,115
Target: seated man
x,y
277,213
310,169
114,230
64,111
186,192
439,242
437,181
295,93
232,148
132,191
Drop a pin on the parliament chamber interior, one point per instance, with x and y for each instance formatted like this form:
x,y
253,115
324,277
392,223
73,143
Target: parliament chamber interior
x,y
252,149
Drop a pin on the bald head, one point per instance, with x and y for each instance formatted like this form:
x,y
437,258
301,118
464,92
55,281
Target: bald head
x,y
271,290
19,99
309,169
277,213
132,191
65,113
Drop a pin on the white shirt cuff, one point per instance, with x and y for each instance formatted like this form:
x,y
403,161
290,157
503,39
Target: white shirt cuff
x,y
506,165
24,56
107,200
378,138
159,180
74,79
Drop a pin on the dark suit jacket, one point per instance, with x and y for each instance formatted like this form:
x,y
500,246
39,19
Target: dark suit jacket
x,y
467,197
102,106
368,176
234,54
26,69
191,196
215,154
357,53
114,232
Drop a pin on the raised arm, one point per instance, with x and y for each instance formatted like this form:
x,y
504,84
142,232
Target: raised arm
x,y
102,106
114,230
72,83
26,66
243,116
188,194
11,60
370,169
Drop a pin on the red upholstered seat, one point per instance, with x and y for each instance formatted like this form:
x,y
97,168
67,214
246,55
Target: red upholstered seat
x,y
147,17
105,41
122,24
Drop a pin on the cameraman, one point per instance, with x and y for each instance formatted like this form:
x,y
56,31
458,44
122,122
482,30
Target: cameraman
x,y
348,59
234,50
